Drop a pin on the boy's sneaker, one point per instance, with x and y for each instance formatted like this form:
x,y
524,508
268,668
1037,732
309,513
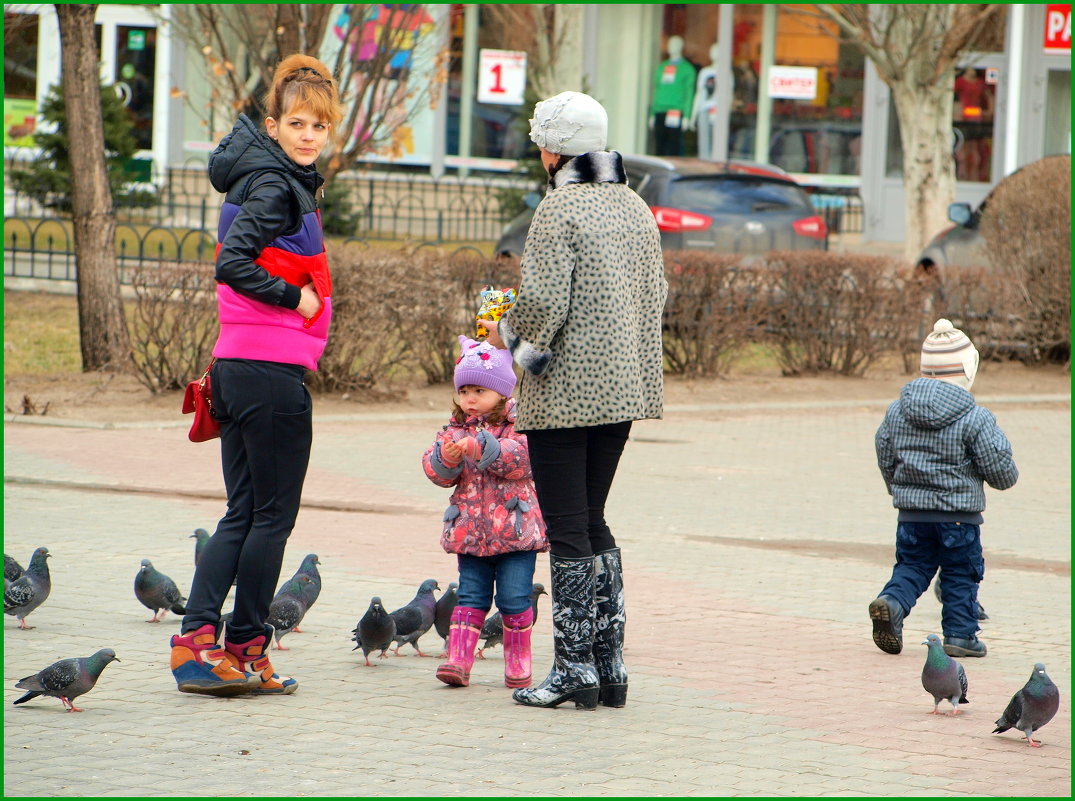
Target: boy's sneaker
x,y
199,665
960,646
887,617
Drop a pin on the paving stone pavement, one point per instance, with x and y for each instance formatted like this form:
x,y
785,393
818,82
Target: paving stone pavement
x,y
753,540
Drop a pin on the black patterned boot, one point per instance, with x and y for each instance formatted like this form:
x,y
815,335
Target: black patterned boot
x,y
608,634
573,676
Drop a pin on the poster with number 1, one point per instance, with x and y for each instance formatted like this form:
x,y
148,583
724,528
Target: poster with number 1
x,y
501,76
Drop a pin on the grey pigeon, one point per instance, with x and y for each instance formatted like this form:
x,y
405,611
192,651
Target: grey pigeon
x,y
1032,707
29,591
442,618
416,618
943,677
310,590
375,631
201,537
67,679
157,592
979,610
288,608
493,628
12,569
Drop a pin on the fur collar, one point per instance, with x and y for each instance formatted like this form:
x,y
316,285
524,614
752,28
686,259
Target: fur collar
x,y
600,166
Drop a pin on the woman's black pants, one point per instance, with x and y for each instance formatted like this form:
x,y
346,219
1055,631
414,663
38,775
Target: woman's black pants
x,y
265,415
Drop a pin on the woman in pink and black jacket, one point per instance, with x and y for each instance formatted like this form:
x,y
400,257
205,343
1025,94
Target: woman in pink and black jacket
x,y
274,298
493,522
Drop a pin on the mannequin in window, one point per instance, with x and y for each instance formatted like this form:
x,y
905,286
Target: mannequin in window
x,y
673,99
704,110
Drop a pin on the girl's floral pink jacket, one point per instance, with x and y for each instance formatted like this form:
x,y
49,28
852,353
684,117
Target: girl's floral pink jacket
x,y
494,508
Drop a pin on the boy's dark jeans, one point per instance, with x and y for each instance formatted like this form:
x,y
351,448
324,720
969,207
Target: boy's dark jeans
x,y
266,429
921,548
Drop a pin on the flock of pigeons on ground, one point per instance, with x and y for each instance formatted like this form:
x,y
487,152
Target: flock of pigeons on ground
x,y
378,630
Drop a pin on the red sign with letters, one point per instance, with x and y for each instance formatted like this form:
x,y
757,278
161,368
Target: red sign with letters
x,y
1057,31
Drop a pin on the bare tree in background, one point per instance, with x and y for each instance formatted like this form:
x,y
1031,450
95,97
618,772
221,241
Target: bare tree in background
x,y
551,36
374,47
102,325
915,49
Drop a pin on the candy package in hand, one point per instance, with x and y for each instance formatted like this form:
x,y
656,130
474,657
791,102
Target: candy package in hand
x,y
494,303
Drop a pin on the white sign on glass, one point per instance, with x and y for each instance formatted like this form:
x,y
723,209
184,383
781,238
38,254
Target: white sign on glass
x,y
501,76
793,83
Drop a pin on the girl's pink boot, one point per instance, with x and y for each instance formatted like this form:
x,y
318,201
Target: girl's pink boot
x,y
463,633
517,630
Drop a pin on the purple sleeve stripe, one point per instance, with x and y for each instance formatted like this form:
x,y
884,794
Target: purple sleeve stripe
x,y
307,241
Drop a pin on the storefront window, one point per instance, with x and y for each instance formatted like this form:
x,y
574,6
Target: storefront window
x,y
684,84
20,79
1058,113
136,58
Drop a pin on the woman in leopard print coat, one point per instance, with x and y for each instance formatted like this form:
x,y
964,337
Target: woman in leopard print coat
x,y
586,330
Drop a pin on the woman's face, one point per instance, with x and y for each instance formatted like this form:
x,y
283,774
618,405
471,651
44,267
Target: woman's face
x,y
301,135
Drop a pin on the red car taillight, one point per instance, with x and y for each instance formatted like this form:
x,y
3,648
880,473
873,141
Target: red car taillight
x,y
677,221
813,227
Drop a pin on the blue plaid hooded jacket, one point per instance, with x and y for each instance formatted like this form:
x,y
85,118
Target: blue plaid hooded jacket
x,y
935,447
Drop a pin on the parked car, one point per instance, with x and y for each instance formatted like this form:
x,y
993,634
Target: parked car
x,y
728,207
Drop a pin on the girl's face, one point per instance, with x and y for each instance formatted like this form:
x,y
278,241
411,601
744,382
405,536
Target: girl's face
x,y
301,135
476,401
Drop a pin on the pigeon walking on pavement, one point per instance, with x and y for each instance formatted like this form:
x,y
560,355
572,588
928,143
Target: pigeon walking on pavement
x,y
157,592
12,569
310,590
943,677
1031,707
288,608
493,628
201,537
375,631
442,618
23,595
67,679
416,618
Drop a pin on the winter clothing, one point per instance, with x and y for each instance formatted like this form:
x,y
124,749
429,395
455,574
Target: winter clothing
x,y
569,124
949,355
271,245
494,508
463,634
587,323
482,365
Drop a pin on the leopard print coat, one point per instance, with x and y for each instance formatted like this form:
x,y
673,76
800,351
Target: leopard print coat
x,y
586,328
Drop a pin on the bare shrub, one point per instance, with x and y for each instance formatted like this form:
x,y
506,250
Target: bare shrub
x,y
1027,228
838,312
713,307
174,323
986,306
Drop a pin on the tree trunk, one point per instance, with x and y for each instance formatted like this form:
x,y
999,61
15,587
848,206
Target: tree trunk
x,y
925,116
102,324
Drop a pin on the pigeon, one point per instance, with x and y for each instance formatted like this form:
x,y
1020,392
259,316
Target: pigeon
x,y
943,677
493,628
157,592
1032,707
442,618
311,590
416,618
979,610
67,679
23,595
375,631
201,537
12,569
288,608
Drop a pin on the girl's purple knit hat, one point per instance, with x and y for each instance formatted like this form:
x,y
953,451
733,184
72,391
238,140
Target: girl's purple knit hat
x,y
482,365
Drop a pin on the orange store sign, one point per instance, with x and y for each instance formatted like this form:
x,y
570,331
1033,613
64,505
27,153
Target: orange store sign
x,y
1058,29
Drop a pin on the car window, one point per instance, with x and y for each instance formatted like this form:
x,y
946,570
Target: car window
x,y
735,195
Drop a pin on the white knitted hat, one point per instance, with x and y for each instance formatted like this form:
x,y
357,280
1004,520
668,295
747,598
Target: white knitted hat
x,y
949,355
569,124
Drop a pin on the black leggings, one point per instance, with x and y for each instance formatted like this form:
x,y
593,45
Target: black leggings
x,y
573,471
265,415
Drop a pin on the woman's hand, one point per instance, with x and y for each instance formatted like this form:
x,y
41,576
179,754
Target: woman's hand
x,y
494,334
309,302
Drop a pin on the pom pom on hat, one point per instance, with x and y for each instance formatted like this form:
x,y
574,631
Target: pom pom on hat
x,y
949,355
569,124
481,365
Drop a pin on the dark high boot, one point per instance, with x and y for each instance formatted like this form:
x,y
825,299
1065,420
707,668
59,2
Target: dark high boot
x,y
573,676
608,634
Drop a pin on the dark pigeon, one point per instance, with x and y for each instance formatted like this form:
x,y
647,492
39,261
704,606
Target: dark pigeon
x,y
23,595
157,592
201,537
493,628
288,608
416,618
310,590
943,677
442,618
375,631
12,569
979,610
1032,707
67,679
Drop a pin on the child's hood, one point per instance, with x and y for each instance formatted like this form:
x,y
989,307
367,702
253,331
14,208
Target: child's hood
x,y
932,404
